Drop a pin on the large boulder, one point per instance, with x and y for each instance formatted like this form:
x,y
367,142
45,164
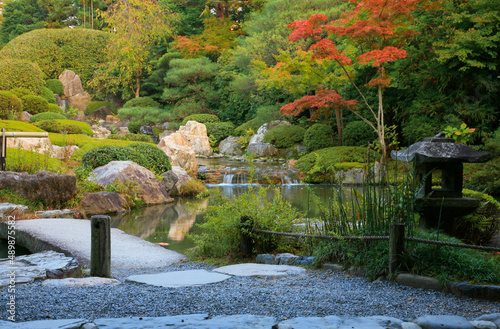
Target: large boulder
x,y
103,203
100,114
174,180
50,188
100,132
230,146
71,82
180,152
80,101
196,134
43,146
150,189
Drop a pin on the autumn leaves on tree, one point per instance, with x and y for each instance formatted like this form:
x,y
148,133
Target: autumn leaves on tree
x,y
377,28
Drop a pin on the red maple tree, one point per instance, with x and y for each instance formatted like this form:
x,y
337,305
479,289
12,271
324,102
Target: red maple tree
x,y
379,27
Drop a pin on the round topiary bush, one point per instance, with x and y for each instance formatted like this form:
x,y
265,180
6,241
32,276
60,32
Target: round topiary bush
x,y
102,155
47,116
318,136
201,118
155,159
358,133
55,85
48,95
134,127
284,136
142,102
35,104
9,104
18,73
220,130
97,104
55,108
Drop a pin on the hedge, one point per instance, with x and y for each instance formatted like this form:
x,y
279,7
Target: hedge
x,y
68,126
35,104
48,95
56,50
55,85
318,136
142,102
47,116
9,104
20,73
220,130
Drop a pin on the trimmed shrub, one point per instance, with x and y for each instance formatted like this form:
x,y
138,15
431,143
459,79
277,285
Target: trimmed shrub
x,y
146,155
201,118
48,95
242,129
142,102
68,126
21,92
220,130
132,137
35,104
98,104
14,125
102,155
284,136
134,127
318,136
56,50
155,159
358,133
144,115
9,104
55,85
55,108
19,73
47,116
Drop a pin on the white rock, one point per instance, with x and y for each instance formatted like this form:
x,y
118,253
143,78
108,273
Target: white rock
x,y
196,134
79,282
180,152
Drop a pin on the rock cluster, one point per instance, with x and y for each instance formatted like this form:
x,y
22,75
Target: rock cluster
x,y
180,152
73,90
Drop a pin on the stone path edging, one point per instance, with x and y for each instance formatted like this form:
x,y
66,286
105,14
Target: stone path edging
x,y
490,321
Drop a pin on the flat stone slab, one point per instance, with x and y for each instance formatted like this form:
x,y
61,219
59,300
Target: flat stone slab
x,y
44,324
65,213
179,278
72,236
443,322
79,282
335,322
28,268
252,269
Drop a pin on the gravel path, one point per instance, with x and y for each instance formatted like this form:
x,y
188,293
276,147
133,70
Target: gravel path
x,y
316,293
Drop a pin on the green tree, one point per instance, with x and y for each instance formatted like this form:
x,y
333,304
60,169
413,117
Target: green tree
x,y
59,12
136,27
189,85
21,16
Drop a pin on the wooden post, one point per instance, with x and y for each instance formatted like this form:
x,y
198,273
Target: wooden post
x,y
100,250
396,246
3,155
246,243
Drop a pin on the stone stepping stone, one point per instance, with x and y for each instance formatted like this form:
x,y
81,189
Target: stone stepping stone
x,y
79,282
252,269
335,322
179,278
44,324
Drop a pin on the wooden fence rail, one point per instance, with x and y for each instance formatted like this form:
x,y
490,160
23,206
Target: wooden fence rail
x,y
396,241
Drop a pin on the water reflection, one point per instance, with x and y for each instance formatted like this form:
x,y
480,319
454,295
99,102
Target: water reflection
x,y
169,223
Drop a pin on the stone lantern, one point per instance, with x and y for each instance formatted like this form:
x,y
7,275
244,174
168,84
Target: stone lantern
x,y
441,158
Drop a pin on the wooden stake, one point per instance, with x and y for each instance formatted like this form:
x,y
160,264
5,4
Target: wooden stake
x,y
396,246
100,250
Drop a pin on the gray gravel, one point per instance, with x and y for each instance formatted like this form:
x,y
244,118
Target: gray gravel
x,y
316,293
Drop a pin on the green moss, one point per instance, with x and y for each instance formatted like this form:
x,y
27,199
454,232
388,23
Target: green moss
x,y
319,164
348,165
13,125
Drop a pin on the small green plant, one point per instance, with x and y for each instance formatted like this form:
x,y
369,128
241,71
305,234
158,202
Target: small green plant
x,y
134,127
245,139
213,143
129,190
193,188
461,134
